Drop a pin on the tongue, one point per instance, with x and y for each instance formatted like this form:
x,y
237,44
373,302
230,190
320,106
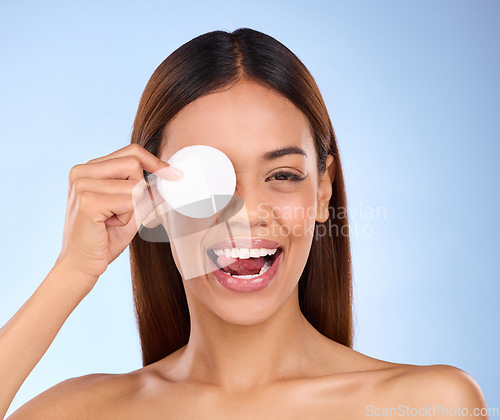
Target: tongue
x,y
240,267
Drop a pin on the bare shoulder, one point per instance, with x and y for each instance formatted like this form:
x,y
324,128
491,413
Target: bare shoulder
x,y
438,386
383,386
79,398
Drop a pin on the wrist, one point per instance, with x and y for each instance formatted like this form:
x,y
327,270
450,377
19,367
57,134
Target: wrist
x,y
73,276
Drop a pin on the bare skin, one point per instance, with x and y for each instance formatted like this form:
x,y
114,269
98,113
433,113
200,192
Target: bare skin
x,y
249,355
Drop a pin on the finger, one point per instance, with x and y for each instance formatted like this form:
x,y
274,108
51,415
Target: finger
x,y
101,207
148,161
119,221
124,151
110,186
127,167
119,168
148,202
114,169
151,206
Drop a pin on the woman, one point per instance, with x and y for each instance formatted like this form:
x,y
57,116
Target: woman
x,y
281,352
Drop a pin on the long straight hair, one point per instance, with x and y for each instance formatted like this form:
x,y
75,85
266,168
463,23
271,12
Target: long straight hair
x,y
207,64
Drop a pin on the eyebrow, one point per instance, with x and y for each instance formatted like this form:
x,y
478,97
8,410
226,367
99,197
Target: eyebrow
x,y
282,151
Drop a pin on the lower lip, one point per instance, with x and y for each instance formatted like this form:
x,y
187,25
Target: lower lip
x,y
246,285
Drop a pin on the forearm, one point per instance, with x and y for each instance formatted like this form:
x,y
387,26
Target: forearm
x,y
25,338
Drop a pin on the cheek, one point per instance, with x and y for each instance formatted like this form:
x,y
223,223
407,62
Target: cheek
x,y
296,213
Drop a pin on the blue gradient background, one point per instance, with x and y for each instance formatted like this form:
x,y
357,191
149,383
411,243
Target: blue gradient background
x,y
413,92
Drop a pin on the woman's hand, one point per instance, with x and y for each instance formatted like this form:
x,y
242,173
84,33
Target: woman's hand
x,y
102,195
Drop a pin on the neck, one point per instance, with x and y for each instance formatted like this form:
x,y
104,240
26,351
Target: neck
x,y
243,357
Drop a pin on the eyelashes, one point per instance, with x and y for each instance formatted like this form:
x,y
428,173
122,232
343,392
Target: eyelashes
x,y
286,176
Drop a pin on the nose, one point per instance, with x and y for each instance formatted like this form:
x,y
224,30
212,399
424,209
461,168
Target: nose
x,y
248,210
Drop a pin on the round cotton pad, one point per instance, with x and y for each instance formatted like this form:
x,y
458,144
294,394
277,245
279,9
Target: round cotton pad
x,y
207,185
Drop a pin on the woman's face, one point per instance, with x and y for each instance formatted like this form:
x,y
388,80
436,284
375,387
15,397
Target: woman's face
x,y
283,196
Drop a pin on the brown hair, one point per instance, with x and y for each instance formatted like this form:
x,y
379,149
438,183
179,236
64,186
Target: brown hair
x,y
204,65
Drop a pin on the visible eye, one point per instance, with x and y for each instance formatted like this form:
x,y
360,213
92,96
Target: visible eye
x,y
287,176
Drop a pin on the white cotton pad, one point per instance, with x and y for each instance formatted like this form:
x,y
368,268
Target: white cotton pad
x,y
207,185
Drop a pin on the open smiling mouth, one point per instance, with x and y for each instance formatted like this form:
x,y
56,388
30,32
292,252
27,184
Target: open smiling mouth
x,y
244,263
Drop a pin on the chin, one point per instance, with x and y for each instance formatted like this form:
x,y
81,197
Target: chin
x,y
250,315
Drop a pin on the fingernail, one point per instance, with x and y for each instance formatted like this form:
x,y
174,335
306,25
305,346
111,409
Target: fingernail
x,y
170,173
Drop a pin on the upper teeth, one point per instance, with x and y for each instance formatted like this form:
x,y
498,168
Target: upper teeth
x,y
244,252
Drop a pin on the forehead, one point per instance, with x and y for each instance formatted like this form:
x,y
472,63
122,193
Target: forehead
x,y
246,120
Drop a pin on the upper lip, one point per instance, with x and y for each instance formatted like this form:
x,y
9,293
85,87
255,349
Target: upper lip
x,y
249,243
